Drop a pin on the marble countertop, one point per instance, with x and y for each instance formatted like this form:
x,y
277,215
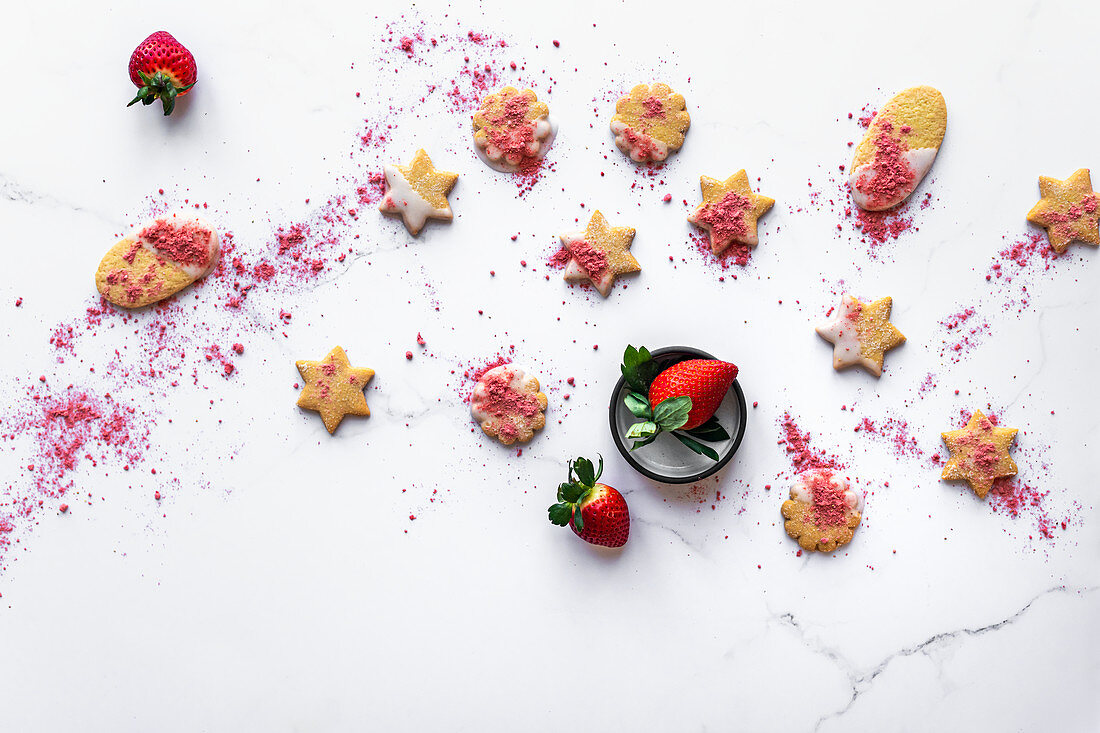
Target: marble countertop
x,y
402,574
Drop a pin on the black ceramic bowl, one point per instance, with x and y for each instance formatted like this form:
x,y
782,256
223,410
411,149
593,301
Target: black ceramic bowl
x,y
666,459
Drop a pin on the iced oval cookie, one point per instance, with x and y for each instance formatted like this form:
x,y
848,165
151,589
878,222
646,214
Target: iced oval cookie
x,y
650,122
823,511
898,149
508,405
512,129
861,333
160,258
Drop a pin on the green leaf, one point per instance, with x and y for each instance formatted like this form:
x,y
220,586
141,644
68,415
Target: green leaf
x,y
638,405
571,493
585,473
647,429
637,368
696,446
645,441
710,431
672,413
599,471
578,520
560,513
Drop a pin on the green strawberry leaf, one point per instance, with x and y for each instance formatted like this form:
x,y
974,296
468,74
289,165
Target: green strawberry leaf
x,y
599,471
637,368
645,441
586,474
560,513
646,429
638,405
696,446
570,493
710,431
672,413
578,520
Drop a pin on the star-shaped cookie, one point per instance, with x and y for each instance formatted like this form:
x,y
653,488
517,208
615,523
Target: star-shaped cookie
x,y
334,388
418,192
599,253
979,454
1068,210
862,333
649,122
729,211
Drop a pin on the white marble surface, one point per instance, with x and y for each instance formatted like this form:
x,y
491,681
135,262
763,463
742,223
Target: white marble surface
x,y
280,584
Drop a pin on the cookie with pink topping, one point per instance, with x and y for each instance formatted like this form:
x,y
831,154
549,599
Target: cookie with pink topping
x,y
650,122
898,149
823,511
512,129
508,405
160,258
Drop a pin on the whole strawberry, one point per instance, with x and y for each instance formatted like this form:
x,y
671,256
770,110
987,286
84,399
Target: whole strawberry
x,y
161,68
596,512
705,381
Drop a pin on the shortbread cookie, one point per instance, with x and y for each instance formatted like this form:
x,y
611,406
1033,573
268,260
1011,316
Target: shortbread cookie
x,y
506,402
898,149
512,129
417,192
862,333
599,253
729,211
160,258
650,122
334,388
823,511
979,454
1068,210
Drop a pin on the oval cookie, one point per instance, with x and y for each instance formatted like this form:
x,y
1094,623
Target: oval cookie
x,y
160,258
898,149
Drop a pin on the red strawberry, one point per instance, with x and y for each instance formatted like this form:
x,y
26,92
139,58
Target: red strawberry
x,y
596,512
705,381
161,68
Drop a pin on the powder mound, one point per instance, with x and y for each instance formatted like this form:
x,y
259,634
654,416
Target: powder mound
x,y
184,243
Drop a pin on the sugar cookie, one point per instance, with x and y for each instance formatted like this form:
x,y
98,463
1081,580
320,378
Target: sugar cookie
x,y
1068,210
823,511
979,454
599,253
417,192
862,333
161,257
650,122
508,405
512,129
898,149
729,211
334,388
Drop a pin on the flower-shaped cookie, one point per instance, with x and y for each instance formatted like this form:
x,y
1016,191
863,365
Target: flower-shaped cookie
x,y
508,405
650,122
862,333
1068,210
823,511
512,129
598,254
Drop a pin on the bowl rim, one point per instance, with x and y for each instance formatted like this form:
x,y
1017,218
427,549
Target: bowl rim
x,y
689,352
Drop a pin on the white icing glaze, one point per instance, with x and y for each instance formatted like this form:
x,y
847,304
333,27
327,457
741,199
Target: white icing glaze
x,y
575,273
518,381
545,132
213,243
919,161
644,148
844,336
401,199
801,490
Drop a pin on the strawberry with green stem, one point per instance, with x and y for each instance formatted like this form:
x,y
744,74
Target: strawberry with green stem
x,y
680,400
161,68
596,512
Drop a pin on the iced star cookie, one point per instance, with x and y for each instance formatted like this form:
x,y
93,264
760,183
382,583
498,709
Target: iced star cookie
x,y
160,258
979,454
650,122
729,211
1067,210
823,511
598,254
862,333
417,192
334,388
898,149
512,129
508,405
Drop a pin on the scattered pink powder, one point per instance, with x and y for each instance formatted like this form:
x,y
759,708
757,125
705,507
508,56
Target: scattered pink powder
x,y
184,243
890,177
803,457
